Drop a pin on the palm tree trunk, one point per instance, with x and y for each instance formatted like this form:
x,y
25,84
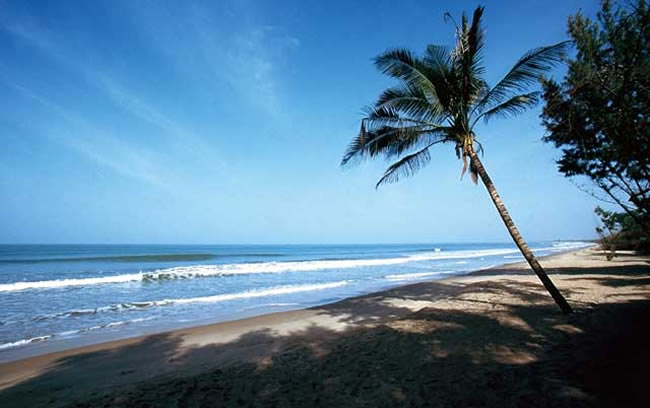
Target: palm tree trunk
x,y
516,236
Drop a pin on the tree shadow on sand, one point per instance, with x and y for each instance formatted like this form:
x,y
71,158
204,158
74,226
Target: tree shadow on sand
x,y
615,269
522,353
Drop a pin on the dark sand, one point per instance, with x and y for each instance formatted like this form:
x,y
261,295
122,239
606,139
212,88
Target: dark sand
x,y
490,339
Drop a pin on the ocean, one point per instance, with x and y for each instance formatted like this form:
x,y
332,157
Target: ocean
x,y
58,296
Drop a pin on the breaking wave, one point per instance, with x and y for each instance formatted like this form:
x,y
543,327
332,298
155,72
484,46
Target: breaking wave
x,y
253,293
277,290
198,271
37,339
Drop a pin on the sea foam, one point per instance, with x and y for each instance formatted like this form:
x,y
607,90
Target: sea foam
x,y
60,283
199,271
270,291
24,342
253,293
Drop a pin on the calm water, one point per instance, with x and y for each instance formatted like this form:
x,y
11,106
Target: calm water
x,y
59,293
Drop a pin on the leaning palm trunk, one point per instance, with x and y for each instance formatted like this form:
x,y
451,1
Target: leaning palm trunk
x,y
514,232
439,99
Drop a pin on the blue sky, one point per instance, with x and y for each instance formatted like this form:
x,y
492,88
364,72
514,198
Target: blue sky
x,y
225,121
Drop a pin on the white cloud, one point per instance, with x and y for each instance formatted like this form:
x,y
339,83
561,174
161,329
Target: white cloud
x,y
99,146
253,59
206,46
96,143
183,138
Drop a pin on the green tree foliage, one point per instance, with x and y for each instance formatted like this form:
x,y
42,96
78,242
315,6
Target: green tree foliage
x,y
599,115
620,230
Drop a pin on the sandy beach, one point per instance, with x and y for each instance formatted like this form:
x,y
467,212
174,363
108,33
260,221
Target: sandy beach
x,y
490,338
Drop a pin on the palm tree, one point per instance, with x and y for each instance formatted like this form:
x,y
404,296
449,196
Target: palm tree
x,y
439,99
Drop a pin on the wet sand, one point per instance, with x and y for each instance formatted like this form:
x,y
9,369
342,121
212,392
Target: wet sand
x,y
490,338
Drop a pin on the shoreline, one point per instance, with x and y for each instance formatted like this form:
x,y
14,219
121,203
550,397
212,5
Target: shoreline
x,y
450,331
231,329
95,340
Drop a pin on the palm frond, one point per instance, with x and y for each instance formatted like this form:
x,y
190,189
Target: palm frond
x,y
408,165
526,72
408,139
389,141
467,58
411,102
437,57
355,149
516,105
439,97
402,64
438,61
376,117
475,39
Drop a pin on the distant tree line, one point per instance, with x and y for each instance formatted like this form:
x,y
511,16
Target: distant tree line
x,y
598,116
